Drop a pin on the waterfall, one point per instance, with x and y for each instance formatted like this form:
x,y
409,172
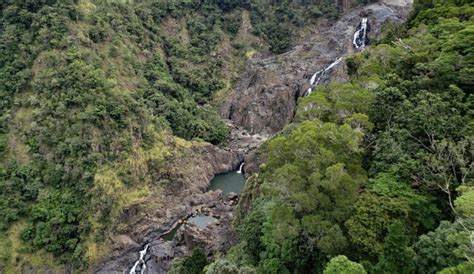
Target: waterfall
x,y
359,41
333,64
240,168
360,36
313,78
317,76
140,261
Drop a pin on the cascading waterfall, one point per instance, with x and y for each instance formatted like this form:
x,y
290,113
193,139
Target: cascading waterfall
x,y
140,262
359,41
317,76
360,36
313,78
241,168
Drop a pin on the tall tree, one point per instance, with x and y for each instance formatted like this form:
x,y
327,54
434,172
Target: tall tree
x,y
396,257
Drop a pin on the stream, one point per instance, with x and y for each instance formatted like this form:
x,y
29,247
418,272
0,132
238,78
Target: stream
x,y
140,262
234,181
230,182
205,219
317,76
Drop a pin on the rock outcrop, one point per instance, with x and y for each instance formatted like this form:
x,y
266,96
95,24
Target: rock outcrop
x,y
264,100
263,103
186,193
398,3
214,236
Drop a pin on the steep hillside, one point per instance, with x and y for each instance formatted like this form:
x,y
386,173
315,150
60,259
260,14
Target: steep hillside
x,y
374,174
353,128
101,103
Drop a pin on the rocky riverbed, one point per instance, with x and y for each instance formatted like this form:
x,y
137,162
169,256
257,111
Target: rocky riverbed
x,y
206,224
264,102
185,195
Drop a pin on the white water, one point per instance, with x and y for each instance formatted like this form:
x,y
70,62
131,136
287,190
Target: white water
x,y
313,78
359,39
360,36
333,64
316,78
140,261
240,168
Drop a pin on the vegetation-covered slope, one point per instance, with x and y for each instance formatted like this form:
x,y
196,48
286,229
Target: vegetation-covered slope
x,y
378,170
95,96
374,175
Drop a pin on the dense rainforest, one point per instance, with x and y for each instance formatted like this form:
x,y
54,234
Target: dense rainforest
x,y
372,176
96,95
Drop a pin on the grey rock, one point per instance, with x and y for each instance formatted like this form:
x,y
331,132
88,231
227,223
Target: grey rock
x,y
264,100
263,103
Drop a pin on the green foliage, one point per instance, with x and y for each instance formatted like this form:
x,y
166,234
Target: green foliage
x,y
310,179
392,32
18,188
370,221
448,249
409,103
424,101
232,22
421,135
396,256
87,86
388,200
82,74
88,89
466,267
5,250
193,264
437,249
185,117
342,265
41,25
3,144
56,219
275,20
339,103
222,266
278,36
429,11
422,207
251,232
465,202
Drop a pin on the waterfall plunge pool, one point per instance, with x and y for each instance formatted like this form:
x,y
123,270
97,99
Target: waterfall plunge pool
x,y
202,221
233,181
170,235
228,182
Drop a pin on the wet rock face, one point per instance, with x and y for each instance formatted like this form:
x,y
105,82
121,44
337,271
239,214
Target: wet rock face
x,y
264,101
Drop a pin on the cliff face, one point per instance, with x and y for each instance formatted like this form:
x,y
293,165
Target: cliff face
x,y
265,98
263,102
